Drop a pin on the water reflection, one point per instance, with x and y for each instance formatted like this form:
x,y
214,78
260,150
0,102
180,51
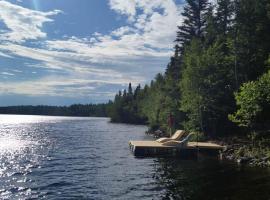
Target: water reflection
x,y
89,158
13,145
21,149
210,179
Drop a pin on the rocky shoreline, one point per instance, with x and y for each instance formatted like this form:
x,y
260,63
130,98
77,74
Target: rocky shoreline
x,y
239,150
248,155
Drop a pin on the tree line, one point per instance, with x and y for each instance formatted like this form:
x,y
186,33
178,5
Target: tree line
x,y
88,110
217,80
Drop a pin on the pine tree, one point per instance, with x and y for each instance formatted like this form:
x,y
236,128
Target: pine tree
x,y
130,92
211,27
195,14
137,91
225,12
252,41
172,91
206,86
174,67
125,93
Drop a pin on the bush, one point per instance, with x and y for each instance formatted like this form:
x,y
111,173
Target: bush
x,y
253,101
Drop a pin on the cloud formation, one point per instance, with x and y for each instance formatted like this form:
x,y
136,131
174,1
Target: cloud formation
x,y
23,24
133,52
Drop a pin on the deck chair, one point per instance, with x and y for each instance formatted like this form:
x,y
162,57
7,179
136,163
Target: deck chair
x,y
181,143
175,137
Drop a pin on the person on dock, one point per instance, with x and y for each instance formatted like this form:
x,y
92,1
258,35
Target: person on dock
x,y
170,123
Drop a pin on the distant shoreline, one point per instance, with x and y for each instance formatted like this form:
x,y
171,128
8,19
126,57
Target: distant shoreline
x,y
53,115
76,110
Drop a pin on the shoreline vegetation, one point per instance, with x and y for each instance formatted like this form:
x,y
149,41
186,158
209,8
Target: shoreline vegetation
x,y
217,83
79,110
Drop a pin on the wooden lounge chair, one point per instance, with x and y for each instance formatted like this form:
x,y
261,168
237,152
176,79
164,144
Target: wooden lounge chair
x,y
176,143
175,137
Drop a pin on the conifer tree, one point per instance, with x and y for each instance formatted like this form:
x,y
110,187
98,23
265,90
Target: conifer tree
x,y
225,12
252,41
210,27
195,14
130,92
206,88
137,91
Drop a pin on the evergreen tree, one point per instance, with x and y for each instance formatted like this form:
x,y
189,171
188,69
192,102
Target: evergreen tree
x,y
252,41
211,33
172,91
130,92
218,50
137,91
195,14
207,92
225,12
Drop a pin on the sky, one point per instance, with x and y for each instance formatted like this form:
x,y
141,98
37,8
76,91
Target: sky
x,y
61,52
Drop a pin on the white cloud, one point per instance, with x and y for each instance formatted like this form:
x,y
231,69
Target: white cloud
x,y
150,35
68,86
23,23
17,71
4,55
131,53
127,7
7,73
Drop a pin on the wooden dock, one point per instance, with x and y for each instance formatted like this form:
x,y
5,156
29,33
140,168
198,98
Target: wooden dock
x,y
154,148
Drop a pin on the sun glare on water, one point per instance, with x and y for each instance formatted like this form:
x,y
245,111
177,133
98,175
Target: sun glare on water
x,y
18,119
10,141
9,144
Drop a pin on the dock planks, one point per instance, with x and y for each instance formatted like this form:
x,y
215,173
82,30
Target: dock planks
x,y
150,148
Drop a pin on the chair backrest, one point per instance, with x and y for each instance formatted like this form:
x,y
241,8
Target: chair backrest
x,y
186,139
178,134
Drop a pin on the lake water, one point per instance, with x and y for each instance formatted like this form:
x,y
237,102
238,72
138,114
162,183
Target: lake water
x,y
88,158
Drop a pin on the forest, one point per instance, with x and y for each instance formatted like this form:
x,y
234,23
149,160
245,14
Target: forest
x,y
218,80
89,110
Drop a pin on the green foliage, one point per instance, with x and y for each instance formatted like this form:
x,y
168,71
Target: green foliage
x,y
253,151
253,101
251,35
207,87
224,16
217,50
125,107
195,15
198,136
155,102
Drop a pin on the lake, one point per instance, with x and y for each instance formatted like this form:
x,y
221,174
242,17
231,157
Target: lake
x,y
46,157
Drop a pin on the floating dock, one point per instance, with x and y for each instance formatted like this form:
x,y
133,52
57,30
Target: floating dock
x,y
154,148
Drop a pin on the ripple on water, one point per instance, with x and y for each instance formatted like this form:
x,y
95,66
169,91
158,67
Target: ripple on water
x,y
89,158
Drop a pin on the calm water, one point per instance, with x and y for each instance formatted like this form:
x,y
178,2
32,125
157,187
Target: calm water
x,y
89,158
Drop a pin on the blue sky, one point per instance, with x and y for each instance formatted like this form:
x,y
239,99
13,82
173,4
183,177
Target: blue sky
x,y
59,52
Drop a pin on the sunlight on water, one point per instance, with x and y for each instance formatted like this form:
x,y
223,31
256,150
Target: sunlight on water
x,y
9,144
20,119
15,139
22,148
43,157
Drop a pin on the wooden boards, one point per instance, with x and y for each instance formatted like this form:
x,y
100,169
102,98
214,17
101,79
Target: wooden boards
x,y
151,148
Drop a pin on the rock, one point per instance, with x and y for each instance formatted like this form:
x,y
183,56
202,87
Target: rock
x,y
253,161
158,133
230,157
243,160
228,150
262,164
265,158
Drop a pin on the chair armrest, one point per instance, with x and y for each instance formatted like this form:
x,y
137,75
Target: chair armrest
x,y
162,140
